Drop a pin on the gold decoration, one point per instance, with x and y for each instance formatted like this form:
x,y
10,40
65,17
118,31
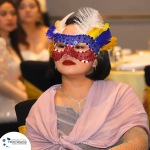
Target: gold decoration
x,y
113,42
51,47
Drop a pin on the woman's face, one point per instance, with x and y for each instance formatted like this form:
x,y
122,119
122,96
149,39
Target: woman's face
x,y
68,65
28,11
8,17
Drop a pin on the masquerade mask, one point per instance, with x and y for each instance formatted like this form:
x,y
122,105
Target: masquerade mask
x,y
92,37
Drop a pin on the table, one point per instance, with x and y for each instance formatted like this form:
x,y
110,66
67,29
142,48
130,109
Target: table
x,y
135,79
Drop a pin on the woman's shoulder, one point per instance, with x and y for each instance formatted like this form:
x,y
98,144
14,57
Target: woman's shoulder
x,y
23,47
115,88
112,84
45,101
43,32
44,29
127,92
48,95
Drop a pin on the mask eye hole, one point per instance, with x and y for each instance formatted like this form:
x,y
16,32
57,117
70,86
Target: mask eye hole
x,y
81,47
60,46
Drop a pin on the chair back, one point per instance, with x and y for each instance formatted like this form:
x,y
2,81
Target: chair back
x,y
35,77
147,75
22,110
147,80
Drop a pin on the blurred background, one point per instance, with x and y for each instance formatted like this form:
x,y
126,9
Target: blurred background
x,y
129,20
130,59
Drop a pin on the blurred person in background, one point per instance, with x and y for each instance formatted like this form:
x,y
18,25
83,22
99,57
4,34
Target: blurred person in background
x,y
12,90
33,42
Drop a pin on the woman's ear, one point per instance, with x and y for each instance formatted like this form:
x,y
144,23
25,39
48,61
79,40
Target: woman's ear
x,y
95,62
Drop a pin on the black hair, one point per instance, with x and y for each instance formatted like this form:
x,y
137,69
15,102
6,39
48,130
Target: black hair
x,y
102,69
55,76
14,34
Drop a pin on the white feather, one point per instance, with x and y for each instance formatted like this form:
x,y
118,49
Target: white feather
x,y
63,24
88,18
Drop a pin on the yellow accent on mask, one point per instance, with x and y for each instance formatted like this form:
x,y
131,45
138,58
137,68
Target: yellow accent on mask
x,y
95,32
106,27
113,42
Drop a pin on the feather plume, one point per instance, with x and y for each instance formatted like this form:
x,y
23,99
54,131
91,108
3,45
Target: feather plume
x,y
110,45
87,18
62,24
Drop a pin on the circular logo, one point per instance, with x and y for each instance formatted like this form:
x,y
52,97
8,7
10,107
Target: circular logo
x,y
14,141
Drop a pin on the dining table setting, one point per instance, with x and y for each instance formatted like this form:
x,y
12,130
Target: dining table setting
x,y
128,67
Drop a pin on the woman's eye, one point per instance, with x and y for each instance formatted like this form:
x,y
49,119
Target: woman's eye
x,y
22,7
61,46
3,14
80,47
32,6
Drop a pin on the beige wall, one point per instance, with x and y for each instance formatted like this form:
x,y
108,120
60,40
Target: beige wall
x,y
129,19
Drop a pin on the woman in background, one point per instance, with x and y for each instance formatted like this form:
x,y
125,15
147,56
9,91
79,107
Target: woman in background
x,y
33,42
12,90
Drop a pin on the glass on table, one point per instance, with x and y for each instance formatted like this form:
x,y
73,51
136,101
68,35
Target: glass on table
x,y
116,53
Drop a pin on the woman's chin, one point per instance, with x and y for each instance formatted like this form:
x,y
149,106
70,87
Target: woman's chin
x,y
9,29
28,20
73,74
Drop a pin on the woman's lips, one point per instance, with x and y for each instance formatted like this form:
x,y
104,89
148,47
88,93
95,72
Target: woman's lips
x,y
9,24
28,16
68,62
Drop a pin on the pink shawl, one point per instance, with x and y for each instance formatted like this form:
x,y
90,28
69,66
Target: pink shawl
x,y
109,111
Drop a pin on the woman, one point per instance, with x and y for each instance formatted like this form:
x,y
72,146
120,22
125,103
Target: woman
x,y
32,40
12,90
85,112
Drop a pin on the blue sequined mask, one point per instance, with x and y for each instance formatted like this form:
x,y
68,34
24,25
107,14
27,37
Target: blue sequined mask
x,y
74,39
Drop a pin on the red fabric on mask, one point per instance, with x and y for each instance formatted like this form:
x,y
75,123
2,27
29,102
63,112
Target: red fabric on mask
x,y
84,56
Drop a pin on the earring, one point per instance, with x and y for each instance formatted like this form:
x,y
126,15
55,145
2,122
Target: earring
x,y
38,19
55,67
38,23
94,66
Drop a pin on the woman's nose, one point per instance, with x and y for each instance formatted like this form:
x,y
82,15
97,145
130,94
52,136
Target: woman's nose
x,y
9,16
28,9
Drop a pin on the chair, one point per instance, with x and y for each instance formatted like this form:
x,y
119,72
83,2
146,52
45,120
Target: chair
x,y
22,111
8,127
147,80
35,77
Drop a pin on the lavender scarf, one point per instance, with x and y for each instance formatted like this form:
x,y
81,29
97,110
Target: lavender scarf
x,y
109,111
